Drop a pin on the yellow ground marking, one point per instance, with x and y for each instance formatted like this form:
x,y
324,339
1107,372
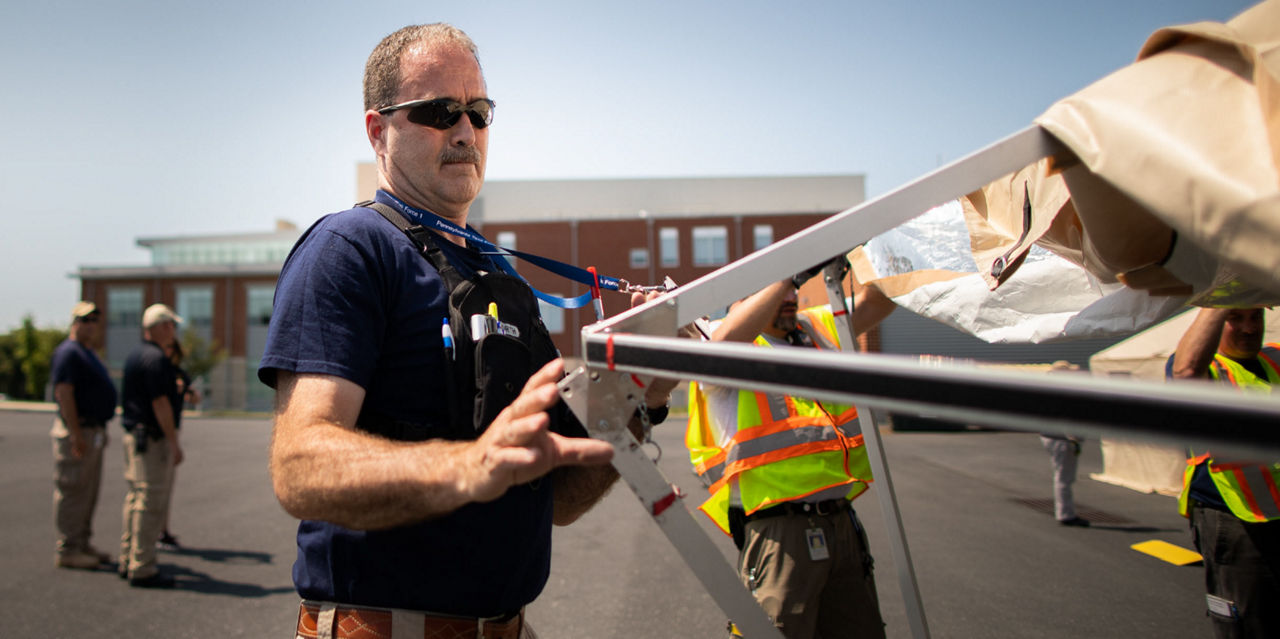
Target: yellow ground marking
x,y
1176,555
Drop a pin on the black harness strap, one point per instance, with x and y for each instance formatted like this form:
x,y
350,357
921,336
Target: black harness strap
x,y
422,238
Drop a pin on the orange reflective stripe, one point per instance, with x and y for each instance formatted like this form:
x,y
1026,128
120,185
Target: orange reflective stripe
x,y
827,338
704,428
1274,373
791,405
762,407
847,416
755,432
1231,466
1198,459
1223,369
1270,481
1247,492
1270,361
711,462
807,448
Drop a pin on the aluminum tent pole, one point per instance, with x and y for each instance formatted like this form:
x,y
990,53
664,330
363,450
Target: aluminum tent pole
x,y
833,276
604,402
833,236
1173,412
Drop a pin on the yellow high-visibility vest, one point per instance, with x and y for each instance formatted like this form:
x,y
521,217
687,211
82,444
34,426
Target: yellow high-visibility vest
x,y
1249,490
782,448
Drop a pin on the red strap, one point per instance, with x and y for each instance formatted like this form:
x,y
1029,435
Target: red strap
x,y
595,293
608,351
665,503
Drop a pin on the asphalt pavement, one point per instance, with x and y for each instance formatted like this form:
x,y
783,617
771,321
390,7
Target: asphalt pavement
x,y
990,559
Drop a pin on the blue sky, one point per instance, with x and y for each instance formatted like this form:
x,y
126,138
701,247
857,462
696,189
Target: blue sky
x,y
121,120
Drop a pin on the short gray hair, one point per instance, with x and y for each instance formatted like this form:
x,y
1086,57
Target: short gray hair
x,y
382,71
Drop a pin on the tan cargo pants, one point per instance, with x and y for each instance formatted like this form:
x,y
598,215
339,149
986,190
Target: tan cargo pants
x,y
76,483
149,474
831,596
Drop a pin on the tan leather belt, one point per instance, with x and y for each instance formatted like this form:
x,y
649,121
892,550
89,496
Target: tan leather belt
x,y
351,622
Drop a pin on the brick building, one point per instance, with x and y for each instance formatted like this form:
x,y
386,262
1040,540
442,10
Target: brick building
x,y
641,230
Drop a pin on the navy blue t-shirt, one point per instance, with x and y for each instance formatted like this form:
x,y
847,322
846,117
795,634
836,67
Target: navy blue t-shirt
x,y
355,299
95,395
148,375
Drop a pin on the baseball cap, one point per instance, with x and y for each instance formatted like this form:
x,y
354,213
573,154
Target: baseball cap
x,y
83,309
158,313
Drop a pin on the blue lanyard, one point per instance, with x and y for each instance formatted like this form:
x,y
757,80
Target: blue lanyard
x,y
432,221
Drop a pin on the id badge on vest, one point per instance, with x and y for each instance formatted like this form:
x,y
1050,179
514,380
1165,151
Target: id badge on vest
x,y
816,540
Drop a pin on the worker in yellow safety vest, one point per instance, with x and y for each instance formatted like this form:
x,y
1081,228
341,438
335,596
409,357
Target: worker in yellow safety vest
x,y
1233,504
782,472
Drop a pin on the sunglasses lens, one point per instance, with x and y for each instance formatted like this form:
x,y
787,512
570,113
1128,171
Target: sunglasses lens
x,y
481,113
435,114
443,114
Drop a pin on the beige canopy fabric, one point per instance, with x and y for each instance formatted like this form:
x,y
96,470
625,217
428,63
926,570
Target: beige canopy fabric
x,y
1169,194
1139,465
1183,143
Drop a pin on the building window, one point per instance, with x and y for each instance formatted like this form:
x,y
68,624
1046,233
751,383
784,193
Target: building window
x,y
669,246
552,316
507,239
763,235
195,306
124,322
639,258
258,396
710,245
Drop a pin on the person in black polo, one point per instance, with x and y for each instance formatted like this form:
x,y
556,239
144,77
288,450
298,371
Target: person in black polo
x,y
86,400
151,399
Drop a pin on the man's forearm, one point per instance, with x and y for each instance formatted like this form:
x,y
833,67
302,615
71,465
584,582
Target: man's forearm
x,y
164,417
752,315
364,482
65,395
1199,344
578,489
323,467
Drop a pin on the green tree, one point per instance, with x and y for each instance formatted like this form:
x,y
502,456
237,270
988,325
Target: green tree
x,y
199,355
33,350
11,380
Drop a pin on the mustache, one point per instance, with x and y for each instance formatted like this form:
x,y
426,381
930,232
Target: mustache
x,y
461,155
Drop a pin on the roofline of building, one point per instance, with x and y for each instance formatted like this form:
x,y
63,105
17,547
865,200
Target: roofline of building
x,y
289,235
509,201
269,269
646,215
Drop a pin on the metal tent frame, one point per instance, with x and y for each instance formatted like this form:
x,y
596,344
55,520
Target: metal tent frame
x,y
604,389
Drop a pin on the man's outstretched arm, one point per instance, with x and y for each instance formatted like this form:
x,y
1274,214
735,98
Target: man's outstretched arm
x,y
323,468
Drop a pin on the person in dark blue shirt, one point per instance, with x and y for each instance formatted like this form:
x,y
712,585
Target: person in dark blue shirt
x,y
400,510
86,401
150,400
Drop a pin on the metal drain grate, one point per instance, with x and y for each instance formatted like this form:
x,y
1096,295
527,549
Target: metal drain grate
x,y
1092,514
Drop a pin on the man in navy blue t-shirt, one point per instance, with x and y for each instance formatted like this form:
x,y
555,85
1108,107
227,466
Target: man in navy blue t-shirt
x,y
86,401
150,401
452,533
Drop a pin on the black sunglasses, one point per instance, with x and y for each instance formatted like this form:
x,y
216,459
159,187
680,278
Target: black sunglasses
x,y
443,113
87,319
